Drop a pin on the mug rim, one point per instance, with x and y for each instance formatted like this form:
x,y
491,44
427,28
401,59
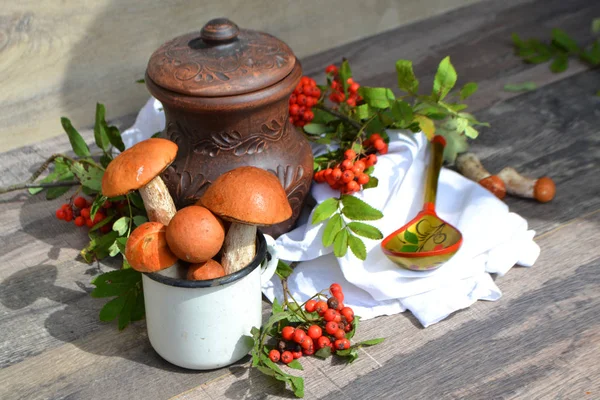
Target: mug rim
x,y
261,254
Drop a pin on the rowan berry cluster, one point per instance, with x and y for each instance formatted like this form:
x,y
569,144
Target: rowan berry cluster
x,y
337,95
328,330
349,175
78,211
305,97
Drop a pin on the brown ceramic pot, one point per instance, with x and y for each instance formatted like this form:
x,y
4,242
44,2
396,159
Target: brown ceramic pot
x,y
225,95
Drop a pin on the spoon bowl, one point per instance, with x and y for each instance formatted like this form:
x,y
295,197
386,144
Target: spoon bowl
x,y
427,241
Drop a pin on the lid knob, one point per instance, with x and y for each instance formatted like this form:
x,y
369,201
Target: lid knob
x,y
219,30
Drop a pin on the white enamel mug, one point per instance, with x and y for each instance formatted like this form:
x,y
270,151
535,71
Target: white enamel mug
x,y
206,324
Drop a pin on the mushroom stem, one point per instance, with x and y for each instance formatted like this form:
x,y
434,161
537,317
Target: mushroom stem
x,y
239,247
470,166
158,201
542,189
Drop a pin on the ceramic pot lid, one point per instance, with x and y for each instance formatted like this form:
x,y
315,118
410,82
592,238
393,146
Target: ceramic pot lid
x,y
220,60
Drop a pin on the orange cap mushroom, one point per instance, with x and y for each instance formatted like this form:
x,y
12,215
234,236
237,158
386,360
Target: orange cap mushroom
x,y
247,197
495,185
146,249
470,166
543,189
210,269
139,167
195,234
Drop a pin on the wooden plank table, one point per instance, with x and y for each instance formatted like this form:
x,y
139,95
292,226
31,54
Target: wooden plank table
x,y
541,340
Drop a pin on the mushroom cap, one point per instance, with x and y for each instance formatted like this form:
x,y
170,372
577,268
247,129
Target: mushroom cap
x,y
248,195
146,249
210,269
195,234
138,165
544,189
494,184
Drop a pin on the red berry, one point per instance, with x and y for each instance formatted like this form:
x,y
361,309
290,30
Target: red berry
x,y
374,137
339,334
379,144
339,296
331,69
362,179
384,150
287,333
348,313
330,314
349,154
308,116
68,215
292,99
80,202
65,206
307,343
336,174
287,357
315,92
297,354
371,160
333,303
321,307
301,100
60,213
341,344
352,186
348,327
89,223
105,228
351,102
335,287
274,355
347,164
323,341
98,217
294,109
107,204
299,336
315,332
80,221
310,305
354,87
85,212
350,81
360,166
309,351
331,327
347,176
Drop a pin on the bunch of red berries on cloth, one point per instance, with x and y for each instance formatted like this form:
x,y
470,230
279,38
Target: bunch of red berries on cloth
x,y
322,326
305,97
78,210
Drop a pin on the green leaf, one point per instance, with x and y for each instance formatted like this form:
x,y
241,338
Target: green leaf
x,y
276,307
139,311
365,230
371,342
111,310
444,80
517,41
520,87
356,209
121,225
455,143
141,81
471,132
323,353
100,134
55,192
297,386
564,41
90,177
560,63
139,220
402,112
322,117
377,97
406,77
61,172
344,73
363,111
358,247
115,137
592,55
351,354
596,25
409,248
334,225
100,224
296,365
113,250
122,244
325,210
373,182
116,282
410,237
283,271
317,129
77,143
467,90
136,200
340,243
125,314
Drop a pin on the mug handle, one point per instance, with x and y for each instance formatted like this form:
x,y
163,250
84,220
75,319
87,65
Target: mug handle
x,y
268,270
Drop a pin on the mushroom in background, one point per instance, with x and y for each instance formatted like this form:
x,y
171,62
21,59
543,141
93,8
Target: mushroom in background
x,y
210,269
195,235
147,250
542,189
247,197
139,167
470,166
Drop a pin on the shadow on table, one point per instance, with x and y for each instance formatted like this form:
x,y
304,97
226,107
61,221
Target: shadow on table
x,y
251,383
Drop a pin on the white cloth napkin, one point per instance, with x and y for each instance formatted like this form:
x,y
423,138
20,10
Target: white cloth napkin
x,y
494,239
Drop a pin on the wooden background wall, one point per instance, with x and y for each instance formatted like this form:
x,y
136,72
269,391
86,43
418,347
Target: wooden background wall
x,y
60,57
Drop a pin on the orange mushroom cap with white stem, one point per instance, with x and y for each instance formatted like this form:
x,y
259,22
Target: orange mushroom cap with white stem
x,y
247,197
139,167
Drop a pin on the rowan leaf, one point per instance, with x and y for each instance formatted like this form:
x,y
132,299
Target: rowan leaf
x,y
325,210
445,79
334,225
467,90
407,80
357,246
340,243
77,143
90,177
357,209
365,230
100,135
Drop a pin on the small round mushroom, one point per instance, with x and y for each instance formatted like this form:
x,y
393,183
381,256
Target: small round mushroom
x,y
470,166
195,234
147,250
247,197
210,269
542,189
139,167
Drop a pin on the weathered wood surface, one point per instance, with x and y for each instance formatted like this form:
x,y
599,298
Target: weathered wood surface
x,y
59,58
541,340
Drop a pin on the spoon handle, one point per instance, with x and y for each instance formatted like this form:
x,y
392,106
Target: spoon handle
x,y
433,171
